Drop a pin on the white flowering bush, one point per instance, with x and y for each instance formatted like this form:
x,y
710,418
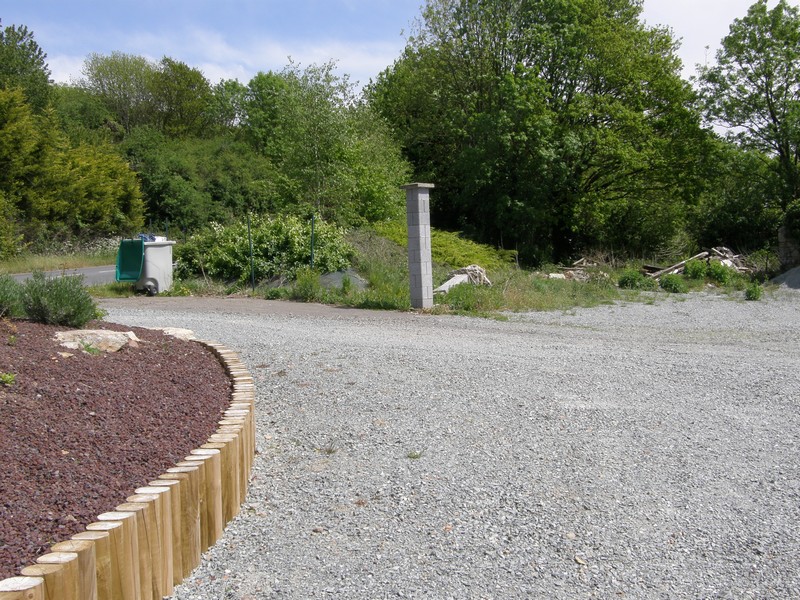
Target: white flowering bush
x,y
281,246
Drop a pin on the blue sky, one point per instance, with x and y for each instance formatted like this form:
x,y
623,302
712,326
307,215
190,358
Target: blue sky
x,y
237,38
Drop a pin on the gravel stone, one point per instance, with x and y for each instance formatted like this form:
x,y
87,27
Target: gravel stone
x,y
627,451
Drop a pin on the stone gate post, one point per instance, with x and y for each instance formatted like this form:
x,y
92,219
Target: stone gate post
x,y
418,217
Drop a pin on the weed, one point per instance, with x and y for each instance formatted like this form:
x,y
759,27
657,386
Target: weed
x,y
89,349
674,284
112,290
695,269
7,378
753,291
415,454
10,297
721,274
329,449
631,279
307,286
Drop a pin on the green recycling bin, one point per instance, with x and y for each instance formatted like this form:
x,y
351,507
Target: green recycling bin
x,y
148,264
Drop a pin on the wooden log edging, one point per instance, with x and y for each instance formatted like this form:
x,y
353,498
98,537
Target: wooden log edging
x,y
150,542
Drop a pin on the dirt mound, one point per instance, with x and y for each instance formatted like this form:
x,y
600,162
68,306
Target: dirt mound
x,y
790,279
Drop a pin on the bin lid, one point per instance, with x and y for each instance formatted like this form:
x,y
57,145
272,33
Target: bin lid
x,y
130,258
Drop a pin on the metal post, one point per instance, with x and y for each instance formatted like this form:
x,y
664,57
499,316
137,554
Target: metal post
x,y
420,264
313,220
252,270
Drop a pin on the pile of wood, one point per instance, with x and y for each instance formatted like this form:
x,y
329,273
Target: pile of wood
x,y
721,254
472,274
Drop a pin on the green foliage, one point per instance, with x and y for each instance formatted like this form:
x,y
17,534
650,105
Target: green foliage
x,y
8,379
23,66
281,246
633,279
764,264
384,264
189,182
10,297
334,156
518,290
58,301
547,126
753,291
123,83
754,88
741,208
721,274
451,249
695,269
674,284
307,286
48,185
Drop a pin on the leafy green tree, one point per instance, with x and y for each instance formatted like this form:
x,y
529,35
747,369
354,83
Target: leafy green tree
x,y
48,185
754,89
332,156
23,65
226,108
741,207
124,84
83,116
548,125
189,181
182,96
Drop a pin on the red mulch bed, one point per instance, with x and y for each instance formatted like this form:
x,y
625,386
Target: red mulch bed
x,y
79,434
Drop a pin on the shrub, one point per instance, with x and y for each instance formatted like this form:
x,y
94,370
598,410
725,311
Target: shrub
x,y
58,301
451,249
307,286
281,246
720,273
674,284
10,297
631,279
753,291
695,269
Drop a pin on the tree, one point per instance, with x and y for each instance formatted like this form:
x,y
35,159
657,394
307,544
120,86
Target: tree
x,y
47,185
754,89
23,65
547,125
124,83
182,96
333,156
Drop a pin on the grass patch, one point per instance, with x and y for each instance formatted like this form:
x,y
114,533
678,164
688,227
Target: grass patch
x,y
28,263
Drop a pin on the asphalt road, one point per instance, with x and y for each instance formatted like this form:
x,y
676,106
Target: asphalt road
x,y
91,275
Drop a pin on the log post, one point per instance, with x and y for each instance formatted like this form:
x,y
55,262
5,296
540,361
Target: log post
x,y
190,515
231,427
131,533
226,444
53,576
123,573
87,565
145,529
202,500
101,540
213,491
164,524
22,588
175,509
70,589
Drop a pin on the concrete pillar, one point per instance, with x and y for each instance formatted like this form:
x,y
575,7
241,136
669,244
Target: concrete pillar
x,y
420,265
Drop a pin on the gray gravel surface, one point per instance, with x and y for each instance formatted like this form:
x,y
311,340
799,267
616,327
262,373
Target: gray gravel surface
x,y
633,451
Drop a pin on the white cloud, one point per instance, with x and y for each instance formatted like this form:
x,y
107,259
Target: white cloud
x,y
65,68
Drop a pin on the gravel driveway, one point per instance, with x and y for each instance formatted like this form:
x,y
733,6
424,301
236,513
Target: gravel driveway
x,y
634,451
